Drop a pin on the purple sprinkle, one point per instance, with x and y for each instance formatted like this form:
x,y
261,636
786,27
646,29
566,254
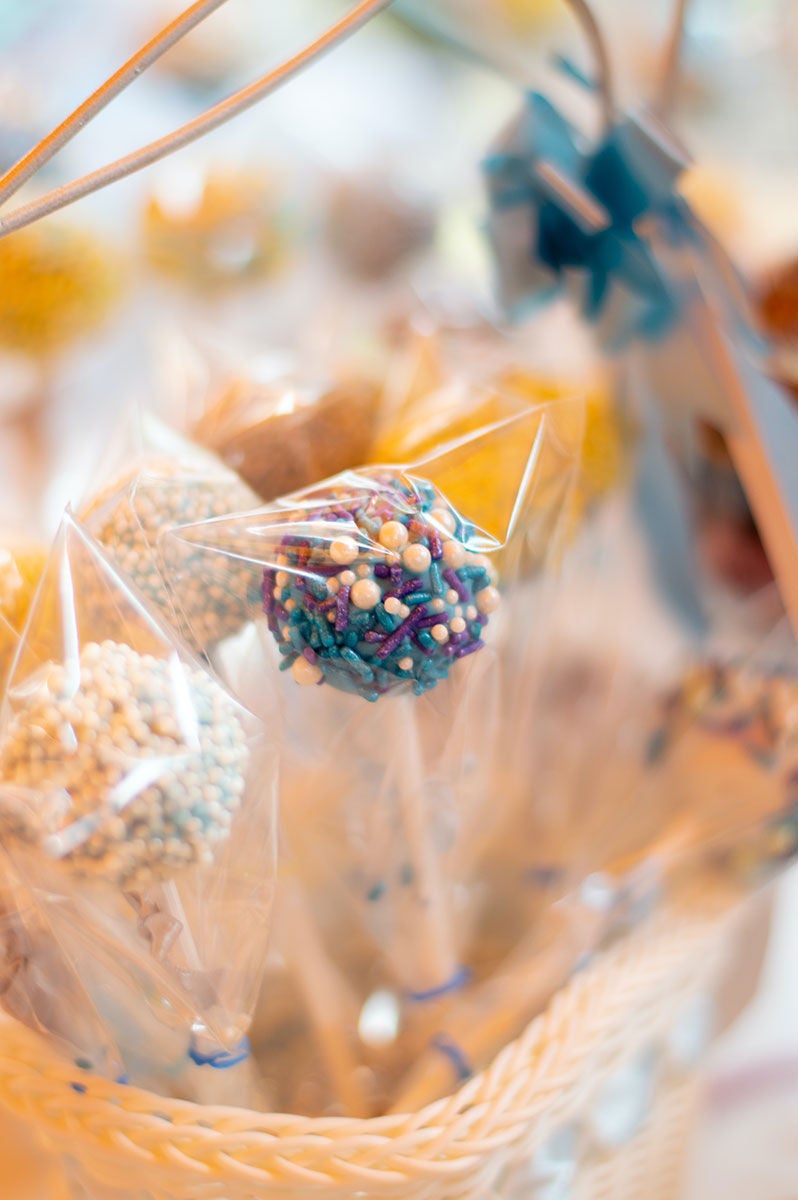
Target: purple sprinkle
x,y
397,575
457,638
410,585
430,620
462,651
405,630
435,544
326,569
454,581
342,609
382,571
374,635
310,654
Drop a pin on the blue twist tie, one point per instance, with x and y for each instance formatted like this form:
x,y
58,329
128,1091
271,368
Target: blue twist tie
x,y
461,977
220,1060
449,1049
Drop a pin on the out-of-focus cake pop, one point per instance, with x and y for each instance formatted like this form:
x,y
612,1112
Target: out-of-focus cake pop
x,y
216,228
59,282
290,433
372,229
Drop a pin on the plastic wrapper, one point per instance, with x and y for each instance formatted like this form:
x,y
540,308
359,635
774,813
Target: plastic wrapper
x,y
440,390
138,847
400,643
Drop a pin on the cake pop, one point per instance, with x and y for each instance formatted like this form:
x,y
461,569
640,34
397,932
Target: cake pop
x,y
375,588
131,790
130,515
289,433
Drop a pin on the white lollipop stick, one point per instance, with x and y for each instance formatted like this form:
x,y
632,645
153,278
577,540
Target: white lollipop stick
x,y
331,1007
425,937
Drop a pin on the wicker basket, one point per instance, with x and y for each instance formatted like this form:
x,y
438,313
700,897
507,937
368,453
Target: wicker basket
x,y
594,1100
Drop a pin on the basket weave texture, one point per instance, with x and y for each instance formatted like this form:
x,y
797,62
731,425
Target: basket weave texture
x,y
609,1071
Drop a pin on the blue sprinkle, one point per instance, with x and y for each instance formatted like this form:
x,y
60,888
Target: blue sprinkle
x,y
80,1088
376,892
385,619
357,664
435,580
325,634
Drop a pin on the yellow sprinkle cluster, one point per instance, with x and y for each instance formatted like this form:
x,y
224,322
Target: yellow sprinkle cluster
x,y
57,283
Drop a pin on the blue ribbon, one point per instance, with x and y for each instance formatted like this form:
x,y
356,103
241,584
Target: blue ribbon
x,y
599,229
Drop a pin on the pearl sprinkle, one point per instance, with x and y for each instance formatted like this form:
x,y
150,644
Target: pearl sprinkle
x,y
126,790
375,599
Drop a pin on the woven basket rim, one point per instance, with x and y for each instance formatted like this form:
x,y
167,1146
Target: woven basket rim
x,y
527,1087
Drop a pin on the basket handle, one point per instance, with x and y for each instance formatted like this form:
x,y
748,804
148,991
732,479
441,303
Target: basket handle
x,y
215,116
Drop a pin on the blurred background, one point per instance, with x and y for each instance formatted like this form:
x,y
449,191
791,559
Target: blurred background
x,y
243,245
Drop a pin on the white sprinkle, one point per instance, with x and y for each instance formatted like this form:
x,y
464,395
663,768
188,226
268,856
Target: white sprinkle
x,y
343,550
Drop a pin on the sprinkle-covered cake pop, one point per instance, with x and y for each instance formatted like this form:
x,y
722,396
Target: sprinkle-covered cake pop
x,y
375,588
137,764
130,516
